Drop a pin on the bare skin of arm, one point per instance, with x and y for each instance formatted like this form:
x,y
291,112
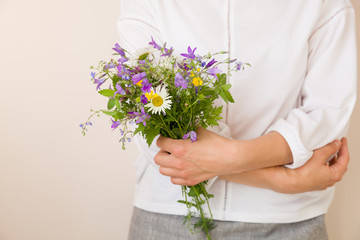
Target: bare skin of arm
x,y
202,159
259,165
316,174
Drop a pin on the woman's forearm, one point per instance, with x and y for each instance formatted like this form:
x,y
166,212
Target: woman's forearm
x,y
266,151
316,174
278,179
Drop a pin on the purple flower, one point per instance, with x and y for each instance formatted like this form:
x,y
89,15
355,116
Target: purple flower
x,y
119,50
108,66
99,82
115,124
180,81
122,60
190,53
146,85
142,116
214,71
192,135
183,66
168,52
209,64
137,77
143,99
154,44
238,65
119,90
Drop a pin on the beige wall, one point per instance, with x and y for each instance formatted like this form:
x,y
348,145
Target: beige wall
x,y
54,183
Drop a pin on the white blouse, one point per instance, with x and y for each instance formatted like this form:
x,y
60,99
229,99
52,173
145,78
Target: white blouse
x,y
302,84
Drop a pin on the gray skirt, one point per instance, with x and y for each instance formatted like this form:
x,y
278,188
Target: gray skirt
x,y
155,226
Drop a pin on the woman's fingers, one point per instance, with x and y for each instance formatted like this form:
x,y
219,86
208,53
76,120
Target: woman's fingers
x,y
339,165
325,153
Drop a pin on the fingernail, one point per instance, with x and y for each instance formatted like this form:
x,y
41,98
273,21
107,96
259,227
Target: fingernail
x,y
337,142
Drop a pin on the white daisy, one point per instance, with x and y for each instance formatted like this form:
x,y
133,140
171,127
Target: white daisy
x,y
159,100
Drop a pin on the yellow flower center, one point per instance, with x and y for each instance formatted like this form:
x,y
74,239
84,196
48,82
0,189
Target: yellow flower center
x,y
139,83
197,81
157,101
151,95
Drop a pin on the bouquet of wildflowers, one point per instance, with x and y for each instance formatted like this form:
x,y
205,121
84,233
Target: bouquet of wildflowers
x,y
159,93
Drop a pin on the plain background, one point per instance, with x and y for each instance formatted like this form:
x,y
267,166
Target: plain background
x,y
56,184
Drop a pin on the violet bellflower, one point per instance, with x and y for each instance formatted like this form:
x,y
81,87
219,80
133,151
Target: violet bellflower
x,y
142,116
214,71
119,89
192,135
168,52
180,81
146,86
115,124
138,77
99,82
154,44
190,54
209,64
238,65
119,50
143,99
122,60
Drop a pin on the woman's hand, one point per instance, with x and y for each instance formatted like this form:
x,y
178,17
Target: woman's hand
x,y
188,163
316,174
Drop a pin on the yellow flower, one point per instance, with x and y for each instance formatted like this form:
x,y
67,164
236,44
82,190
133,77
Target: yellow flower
x,y
160,101
151,95
139,83
197,81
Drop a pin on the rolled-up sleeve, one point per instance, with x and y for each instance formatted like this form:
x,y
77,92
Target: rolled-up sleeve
x,y
328,94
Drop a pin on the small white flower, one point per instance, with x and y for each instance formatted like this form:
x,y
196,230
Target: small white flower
x,y
159,100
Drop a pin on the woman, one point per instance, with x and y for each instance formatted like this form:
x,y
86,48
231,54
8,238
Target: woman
x,y
297,97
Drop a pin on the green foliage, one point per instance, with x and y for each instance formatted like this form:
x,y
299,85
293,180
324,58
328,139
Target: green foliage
x,y
191,106
107,92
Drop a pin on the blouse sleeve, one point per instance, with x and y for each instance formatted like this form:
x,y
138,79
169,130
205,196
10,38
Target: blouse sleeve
x,y
329,90
137,23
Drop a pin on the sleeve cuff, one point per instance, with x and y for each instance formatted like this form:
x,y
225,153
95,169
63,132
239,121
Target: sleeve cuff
x,y
299,152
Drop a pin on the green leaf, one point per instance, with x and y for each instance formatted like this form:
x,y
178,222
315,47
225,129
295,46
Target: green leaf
x,y
221,78
111,104
226,87
223,96
110,113
117,104
229,97
143,56
150,133
140,128
107,92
